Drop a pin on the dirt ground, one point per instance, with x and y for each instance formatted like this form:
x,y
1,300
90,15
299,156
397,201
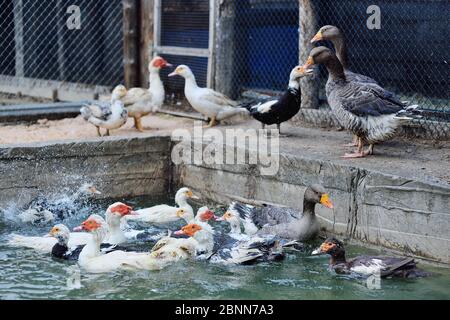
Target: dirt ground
x,y
426,160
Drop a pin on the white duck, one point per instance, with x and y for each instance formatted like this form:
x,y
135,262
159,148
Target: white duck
x,y
109,115
113,237
163,214
139,101
208,102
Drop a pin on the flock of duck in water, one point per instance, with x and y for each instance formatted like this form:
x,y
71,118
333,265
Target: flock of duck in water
x,y
255,234
372,113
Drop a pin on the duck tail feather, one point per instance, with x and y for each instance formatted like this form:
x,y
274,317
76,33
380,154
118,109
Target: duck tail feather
x,y
244,210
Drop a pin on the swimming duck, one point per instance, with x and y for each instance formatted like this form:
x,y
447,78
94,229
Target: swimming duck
x,y
42,210
284,222
114,235
208,102
92,259
109,115
164,214
367,111
368,265
287,106
62,249
140,102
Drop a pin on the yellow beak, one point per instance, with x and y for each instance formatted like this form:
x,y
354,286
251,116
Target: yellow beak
x,y
317,37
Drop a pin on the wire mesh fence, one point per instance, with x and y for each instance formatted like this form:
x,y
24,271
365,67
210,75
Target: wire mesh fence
x,y
408,55
79,41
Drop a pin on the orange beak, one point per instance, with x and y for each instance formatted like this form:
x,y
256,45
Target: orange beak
x,y
325,201
317,37
309,63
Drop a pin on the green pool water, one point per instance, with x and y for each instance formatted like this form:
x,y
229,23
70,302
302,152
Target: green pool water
x,y
25,274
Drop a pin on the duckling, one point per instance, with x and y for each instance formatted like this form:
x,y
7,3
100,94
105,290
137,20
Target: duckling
x,y
386,267
108,115
287,223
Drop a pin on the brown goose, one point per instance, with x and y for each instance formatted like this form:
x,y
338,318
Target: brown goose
x,y
368,265
370,112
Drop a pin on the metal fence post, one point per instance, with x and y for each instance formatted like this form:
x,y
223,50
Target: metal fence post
x,y
308,28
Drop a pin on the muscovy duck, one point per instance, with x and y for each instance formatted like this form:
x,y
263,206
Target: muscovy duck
x,y
208,102
108,115
385,267
42,210
287,223
164,214
286,107
367,111
139,101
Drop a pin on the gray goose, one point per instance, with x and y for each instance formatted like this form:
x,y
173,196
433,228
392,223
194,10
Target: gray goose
x,y
369,112
333,34
287,223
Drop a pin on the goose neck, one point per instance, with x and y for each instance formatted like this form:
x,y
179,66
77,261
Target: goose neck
x,y
341,50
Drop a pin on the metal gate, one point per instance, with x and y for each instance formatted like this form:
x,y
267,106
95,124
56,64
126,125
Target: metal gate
x,y
183,34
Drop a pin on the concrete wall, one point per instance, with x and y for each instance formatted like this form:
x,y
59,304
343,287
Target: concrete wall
x,y
119,168
410,216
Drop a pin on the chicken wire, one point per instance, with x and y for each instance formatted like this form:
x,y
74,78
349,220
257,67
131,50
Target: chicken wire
x,y
42,40
408,55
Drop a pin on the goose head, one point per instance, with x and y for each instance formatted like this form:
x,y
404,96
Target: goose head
x,y
299,72
118,92
183,71
204,214
327,32
317,194
186,214
61,233
157,64
96,226
319,55
331,246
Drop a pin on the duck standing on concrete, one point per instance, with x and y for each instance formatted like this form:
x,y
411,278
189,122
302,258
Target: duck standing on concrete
x,y
140,102
108,115
386,267
366,110
285,222
287,106
208,102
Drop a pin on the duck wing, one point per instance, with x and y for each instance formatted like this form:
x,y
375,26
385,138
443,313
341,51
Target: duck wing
x,y
100,110
386,266
366,100
217,98
135,95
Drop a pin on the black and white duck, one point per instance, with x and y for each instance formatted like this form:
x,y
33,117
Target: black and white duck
x,y
384,266
287,223
368,111
42,210
286,107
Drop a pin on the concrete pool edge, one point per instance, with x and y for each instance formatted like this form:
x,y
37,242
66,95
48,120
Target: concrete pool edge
x,y
405,214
